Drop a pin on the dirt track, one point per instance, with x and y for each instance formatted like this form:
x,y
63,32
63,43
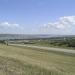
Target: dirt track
x,y
65,51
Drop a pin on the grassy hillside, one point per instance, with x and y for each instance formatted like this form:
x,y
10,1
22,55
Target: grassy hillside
x,y
60,43
27,61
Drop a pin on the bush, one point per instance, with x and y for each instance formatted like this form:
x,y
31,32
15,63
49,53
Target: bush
x,y
2,41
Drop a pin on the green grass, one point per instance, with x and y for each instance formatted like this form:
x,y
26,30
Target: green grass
x,y
46,43
27,61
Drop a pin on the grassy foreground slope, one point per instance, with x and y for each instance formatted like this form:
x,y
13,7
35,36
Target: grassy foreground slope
x,y
27,61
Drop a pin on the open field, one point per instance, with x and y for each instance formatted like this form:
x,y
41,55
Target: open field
x,y
28,61
50,49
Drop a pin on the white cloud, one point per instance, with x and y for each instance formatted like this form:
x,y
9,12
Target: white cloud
x,y
6,27
63,23
7,24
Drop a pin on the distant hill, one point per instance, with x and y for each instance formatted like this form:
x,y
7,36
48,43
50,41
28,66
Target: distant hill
x,y
30,36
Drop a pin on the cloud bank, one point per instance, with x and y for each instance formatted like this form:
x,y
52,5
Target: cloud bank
x,y
6,27
64,24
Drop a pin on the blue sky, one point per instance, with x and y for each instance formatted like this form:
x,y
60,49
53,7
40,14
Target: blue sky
x,y
37,16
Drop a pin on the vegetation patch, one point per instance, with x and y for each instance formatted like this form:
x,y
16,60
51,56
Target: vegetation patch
x,y
10,66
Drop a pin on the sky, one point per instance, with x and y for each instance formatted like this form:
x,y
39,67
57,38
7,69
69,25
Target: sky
x,y
37,17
